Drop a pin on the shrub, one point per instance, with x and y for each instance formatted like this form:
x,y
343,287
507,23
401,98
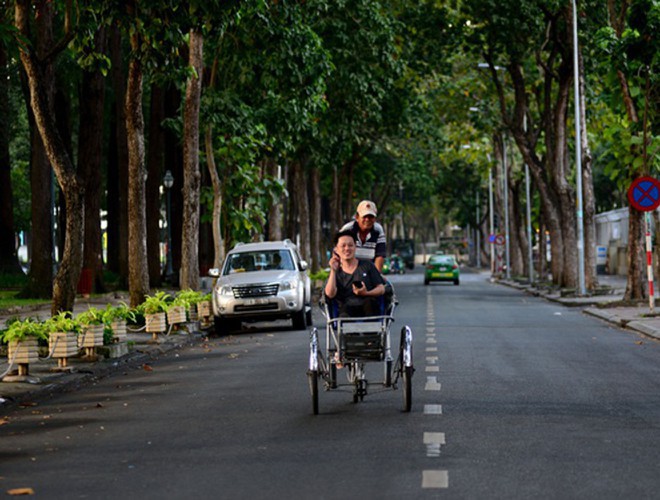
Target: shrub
x,y
21,329
62,322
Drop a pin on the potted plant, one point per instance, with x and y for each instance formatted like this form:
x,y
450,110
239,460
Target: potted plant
x,y
115,318
176,311
22,337
190,300
92,328
154,308
204,309
63,337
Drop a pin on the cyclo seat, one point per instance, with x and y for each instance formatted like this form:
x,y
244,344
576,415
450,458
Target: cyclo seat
x,y
361,337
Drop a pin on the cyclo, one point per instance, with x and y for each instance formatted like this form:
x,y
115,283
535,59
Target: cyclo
x,y
350,343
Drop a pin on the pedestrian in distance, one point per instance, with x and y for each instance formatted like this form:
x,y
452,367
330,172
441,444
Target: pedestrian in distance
x,y
368,234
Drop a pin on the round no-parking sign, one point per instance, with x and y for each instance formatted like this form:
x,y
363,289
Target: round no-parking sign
x,y
644,194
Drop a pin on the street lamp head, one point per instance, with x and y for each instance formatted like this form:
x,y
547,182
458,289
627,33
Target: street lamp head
x,y
168,180
486,65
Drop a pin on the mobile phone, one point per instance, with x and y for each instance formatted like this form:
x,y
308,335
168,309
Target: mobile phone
x,y
358,284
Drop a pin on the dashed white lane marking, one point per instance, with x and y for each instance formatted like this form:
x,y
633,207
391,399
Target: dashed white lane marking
x,y
431,349
430,340
432,409
435,479
433,442
432,384
431,360
432,369
434,438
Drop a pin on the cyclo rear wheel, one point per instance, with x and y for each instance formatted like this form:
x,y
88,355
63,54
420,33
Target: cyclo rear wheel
x,y
313,377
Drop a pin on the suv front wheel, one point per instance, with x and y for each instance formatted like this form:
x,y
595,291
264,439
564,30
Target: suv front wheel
x,y
224,326
299,322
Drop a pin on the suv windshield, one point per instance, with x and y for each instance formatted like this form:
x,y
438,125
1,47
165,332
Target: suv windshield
x,y
245,262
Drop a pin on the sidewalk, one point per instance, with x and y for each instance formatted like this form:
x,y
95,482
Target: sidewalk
x,y
636,318
45,379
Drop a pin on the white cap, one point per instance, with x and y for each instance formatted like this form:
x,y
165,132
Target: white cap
x,y
367,207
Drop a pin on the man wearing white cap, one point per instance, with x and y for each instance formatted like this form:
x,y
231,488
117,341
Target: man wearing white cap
x,y
369,235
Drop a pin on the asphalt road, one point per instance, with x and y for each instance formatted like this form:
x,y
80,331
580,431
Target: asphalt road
x,y
513,397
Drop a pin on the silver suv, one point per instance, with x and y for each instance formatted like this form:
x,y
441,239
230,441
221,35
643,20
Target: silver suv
x,y
261,282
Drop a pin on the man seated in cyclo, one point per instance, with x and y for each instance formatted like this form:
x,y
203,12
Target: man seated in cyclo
x,y
355,284
369,234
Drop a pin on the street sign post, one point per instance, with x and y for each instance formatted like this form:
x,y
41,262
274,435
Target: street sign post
x,y
644,195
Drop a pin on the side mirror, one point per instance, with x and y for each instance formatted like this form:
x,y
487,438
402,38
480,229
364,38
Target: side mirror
x,y
303,265
214,272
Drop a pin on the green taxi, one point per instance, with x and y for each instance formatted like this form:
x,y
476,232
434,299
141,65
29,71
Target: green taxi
x,y
442,268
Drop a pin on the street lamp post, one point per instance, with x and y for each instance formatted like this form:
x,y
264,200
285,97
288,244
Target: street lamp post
x,y
578,157
478,234
491,220
168,182
506,208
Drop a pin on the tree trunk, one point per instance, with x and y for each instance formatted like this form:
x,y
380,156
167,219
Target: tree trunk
x,y
636,284
218,245
335,202
588,196
90,144
8,257
516,229
154,175
275,209
174,163
315,223
191,174
302,207
118,167
66,280
138,276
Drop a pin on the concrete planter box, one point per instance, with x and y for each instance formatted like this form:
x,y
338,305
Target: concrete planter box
x,y
23,352
204,309
91,336
176,314
155,323
116,350
118,330
65,344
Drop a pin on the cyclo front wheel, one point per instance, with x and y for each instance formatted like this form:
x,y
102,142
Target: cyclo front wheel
x,y
407,388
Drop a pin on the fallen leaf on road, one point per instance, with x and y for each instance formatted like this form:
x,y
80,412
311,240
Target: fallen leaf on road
x,y
233,355
21,491
4,421
639,342
147,368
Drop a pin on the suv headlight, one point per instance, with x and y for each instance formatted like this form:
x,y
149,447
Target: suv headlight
x,y
288,285
225,290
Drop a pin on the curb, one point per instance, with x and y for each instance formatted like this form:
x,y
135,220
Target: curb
x,y
636,326
68,382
